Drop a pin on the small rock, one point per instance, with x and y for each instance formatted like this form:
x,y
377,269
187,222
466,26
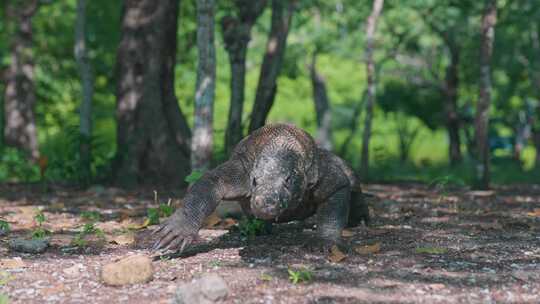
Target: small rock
x,y
131,270
206,290
29,246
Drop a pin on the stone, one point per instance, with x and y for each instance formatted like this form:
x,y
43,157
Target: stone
x,y
208,289
131,270
29,246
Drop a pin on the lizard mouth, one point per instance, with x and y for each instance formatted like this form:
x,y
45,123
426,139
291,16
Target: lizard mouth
x,y
268,214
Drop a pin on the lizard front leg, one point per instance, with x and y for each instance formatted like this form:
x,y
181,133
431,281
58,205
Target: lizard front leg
x,y
332,217
227,181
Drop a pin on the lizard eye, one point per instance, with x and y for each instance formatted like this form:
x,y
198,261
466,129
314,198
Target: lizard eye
x,y
254,182
288,179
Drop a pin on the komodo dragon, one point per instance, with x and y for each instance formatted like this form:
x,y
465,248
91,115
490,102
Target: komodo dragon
x,y
278,174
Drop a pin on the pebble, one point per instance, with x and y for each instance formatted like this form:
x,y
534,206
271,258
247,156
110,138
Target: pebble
x,y
29,246
131,270
210,288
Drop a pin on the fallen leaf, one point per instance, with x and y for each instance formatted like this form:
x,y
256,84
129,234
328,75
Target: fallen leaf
x,y
130,224
16,262
227,223
212,220
347,233
368,249
123,239
336,255
436,286
431,250
535,213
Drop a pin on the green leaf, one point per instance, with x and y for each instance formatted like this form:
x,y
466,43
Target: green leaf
x,y
194,176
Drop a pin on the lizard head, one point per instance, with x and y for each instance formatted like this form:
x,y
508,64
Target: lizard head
x,y
277,184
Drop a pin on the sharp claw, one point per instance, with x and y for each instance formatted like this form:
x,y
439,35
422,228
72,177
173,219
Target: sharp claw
x,y
159,243
185,242
174,243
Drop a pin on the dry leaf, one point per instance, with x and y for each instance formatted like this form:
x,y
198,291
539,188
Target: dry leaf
x,y
212,220
336,255
135,226
227,223
123,239
16,262
368,249
347,233
535,212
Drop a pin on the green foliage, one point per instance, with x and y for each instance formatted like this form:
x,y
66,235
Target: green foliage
x,y
153,214
91,216
4,227
4,299
252,227
193,176
14,166
88,229
302,275
39,232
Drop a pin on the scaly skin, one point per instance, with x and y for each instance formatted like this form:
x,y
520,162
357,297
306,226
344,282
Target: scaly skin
x,y
278,174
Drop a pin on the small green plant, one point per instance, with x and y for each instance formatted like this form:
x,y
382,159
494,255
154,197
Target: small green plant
x,y
4,227
91,216
300,275
153,214
215,263
87,229
39,232
194,176
166,210
251,227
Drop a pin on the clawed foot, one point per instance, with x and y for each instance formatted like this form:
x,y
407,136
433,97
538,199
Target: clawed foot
x,y
175,234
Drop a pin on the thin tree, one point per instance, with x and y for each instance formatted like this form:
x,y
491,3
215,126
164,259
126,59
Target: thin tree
x,y
202,141
489,19
322,106
20,97
85,71
153,138
236,32
282,11
371,84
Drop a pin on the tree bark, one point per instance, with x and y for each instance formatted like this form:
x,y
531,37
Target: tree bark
x,y
282,11
451,108
489,19
20,97
371,85
202,141
152,133
322,107
87,81
237,34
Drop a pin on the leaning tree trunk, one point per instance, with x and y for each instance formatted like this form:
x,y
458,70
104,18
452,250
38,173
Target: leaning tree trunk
x,y
202,141
282,11
322,106
152,133
451,108
20,97
85,71
371,85
237,34
481,123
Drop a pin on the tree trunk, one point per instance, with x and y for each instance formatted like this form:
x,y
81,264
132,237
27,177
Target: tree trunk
x,y
322,107
152,133
20,97
282,11
489,20
371,85
237,34
85,71
451,108
202,141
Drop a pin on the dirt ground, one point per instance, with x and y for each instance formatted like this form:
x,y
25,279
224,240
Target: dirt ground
x,y
424,245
